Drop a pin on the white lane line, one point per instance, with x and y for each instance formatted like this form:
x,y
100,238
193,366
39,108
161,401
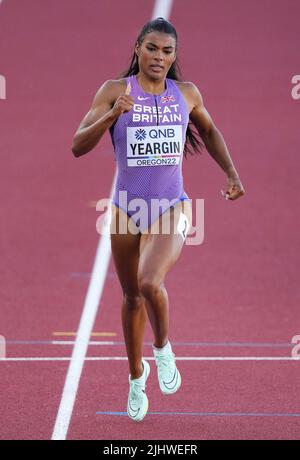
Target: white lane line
x,y
85,329
162,8
150,358
177,344
69,342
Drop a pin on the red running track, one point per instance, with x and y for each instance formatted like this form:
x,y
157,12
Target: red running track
x,y
236,295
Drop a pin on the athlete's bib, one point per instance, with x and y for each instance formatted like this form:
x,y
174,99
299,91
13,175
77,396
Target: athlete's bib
x,y
154,145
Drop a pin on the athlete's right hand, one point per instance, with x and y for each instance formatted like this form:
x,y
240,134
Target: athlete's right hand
x,y
124,103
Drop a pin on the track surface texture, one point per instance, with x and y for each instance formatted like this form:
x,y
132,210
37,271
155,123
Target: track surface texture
x,y
234,296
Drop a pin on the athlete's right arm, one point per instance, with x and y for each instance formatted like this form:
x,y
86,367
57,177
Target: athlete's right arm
x,y
109,103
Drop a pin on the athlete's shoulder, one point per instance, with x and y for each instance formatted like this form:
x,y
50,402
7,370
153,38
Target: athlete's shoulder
x,y
115,84
191,93
110,90
188,87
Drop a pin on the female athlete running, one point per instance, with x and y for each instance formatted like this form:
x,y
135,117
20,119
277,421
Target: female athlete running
x,y
149,112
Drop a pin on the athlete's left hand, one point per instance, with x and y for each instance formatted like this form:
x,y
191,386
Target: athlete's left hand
x,y
234,190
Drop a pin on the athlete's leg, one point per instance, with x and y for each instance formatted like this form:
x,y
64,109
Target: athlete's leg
x,y
125,251
158,254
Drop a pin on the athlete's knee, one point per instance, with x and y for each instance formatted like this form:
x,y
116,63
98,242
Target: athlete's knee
x,y
133,302
149,286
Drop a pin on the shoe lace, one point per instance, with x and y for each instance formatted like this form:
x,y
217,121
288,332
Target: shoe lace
x,y
136,389
164,360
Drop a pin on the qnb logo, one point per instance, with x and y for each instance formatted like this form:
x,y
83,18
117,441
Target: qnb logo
x,y
2,87
296,349
140,134
162,133
2,347
296,88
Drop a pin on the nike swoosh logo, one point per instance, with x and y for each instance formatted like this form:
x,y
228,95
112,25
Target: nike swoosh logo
x,y
183,231
140,98
167,384
133,412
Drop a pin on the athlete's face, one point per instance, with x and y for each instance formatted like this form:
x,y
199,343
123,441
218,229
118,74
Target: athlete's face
x,y
156,54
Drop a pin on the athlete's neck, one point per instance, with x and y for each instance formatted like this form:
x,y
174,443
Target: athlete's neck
x,y
151,86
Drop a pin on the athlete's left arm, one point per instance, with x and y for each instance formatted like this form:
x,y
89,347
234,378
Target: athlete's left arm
x,y
214,143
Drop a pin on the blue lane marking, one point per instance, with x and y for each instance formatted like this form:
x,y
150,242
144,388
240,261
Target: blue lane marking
x,y
208,414
185,344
